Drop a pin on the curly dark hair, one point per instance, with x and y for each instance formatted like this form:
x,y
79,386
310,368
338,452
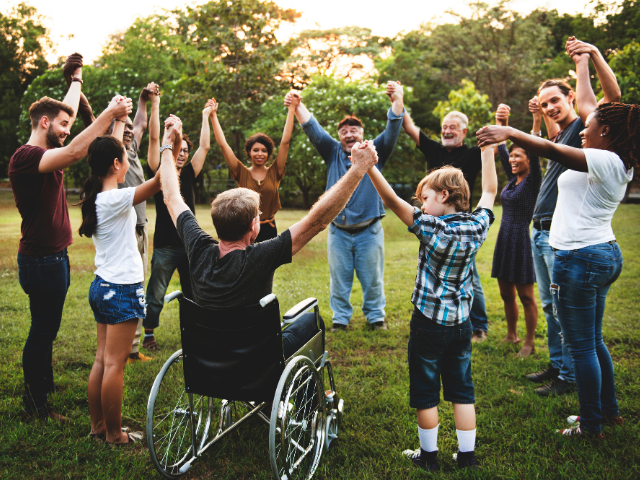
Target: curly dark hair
x,y
185,137
262,138
624,122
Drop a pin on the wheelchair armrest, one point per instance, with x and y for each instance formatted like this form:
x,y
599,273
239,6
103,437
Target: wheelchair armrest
x,y
267,299
172,296
295,312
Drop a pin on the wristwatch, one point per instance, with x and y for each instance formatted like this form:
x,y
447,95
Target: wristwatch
x,y
166,146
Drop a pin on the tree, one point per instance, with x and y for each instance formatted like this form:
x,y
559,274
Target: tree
x,y
23,43
626,65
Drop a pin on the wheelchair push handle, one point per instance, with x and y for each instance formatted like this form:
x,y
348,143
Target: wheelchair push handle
x,y
172,296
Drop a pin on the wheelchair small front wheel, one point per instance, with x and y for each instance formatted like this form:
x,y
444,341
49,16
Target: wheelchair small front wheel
x,y
168,419
297,427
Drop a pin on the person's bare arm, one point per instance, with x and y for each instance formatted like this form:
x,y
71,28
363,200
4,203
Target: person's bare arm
x,y
285,143
489,178
140,120
585,98
147,189
607,78
169,179
118,128
72,98
402,209
569,157
197,161
395,91
227,153
302,113
153,153
410,128
59,158
329,205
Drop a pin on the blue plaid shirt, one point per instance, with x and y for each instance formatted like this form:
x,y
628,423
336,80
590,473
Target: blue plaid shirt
x,y
365,203
448,245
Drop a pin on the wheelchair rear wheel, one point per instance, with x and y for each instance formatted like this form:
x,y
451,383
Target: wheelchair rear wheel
x,y
168,419
298,415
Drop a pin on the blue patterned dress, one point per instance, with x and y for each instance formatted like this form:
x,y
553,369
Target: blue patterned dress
x,y
512,259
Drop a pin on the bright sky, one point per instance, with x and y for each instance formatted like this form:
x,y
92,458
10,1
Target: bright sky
x,y
91,23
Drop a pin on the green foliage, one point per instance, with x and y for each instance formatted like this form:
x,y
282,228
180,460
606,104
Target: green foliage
x,y
23,41
329,99
626,65
472,103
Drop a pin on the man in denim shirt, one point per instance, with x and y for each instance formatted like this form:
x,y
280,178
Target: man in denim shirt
x,y
356,239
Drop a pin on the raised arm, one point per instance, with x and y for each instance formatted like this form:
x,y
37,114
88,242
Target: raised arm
x,y
153,154
146,190
140,120
569,157
59,158
410,128
402,209
386,141
302,114
227,153
72,72
363,157
197,161
283,151
489,178
169,179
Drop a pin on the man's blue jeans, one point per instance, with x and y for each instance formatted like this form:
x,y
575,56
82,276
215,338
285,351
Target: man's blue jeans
x,y
164,262
296,335
364,253
478,314
46,279
543,264
581,280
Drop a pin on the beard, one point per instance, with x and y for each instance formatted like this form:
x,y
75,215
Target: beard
x,y
54,139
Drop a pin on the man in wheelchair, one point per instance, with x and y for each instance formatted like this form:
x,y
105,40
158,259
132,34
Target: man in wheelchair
x,y
235,271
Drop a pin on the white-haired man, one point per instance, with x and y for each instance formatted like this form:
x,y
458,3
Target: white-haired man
x,y
453,151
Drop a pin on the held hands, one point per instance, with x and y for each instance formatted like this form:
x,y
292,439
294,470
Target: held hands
x,y
395,91
292,99
364,155
150,92
210,108
72,68
534,108
120,107
502,115
173,134
489,137
579,51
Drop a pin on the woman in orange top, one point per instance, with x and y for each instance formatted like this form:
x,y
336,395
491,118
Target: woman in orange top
x,y
261,178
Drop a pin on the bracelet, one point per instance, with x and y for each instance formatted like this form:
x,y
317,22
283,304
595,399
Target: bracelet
x,y
166,146
537,134
76,79
118,120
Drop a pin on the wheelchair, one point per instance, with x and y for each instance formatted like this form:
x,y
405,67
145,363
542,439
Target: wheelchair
x,y
231,367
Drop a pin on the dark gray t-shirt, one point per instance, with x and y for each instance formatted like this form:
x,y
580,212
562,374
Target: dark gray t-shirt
x,y
546,203
241,277
133,178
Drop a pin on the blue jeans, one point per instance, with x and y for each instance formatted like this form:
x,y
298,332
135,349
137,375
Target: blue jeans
x,y
581,280
299,332
113,303
164,262
478,314
543,259
438,351
46,279
364,253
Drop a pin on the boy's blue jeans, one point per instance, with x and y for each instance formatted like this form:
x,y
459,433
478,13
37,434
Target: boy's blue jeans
x,y
581,280
437,351
543,259
46,279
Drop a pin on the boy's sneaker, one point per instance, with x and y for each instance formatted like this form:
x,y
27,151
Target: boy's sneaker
x,y
578,432
428,461
549,373
466,460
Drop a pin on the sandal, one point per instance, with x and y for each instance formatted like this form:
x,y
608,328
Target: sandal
x,y
132,438
151,344
103,436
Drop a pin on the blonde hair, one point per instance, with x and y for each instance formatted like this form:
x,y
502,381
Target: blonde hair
x,y
450,179
232,212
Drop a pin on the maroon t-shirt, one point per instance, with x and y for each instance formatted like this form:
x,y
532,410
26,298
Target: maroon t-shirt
x,y
42,203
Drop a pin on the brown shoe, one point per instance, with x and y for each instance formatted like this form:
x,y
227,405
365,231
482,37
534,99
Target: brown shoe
x,y
150,344
479,336
338,327
379,326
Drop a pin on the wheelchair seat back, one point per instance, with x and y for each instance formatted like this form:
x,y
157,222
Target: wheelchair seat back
x,y
232,353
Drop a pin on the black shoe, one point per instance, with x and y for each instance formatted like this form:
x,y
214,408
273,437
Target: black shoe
x,y
380,326
338,327
466,460
428,461
557,387
550,374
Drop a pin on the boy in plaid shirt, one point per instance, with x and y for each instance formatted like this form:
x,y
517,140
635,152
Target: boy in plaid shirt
x,y
440,340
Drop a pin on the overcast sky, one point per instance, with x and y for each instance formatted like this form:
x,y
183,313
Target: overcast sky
x,y
92,22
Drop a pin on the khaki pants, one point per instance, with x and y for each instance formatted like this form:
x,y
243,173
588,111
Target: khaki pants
x,y
143,248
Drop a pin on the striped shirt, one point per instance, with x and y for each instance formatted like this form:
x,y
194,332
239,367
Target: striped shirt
x,y
448,245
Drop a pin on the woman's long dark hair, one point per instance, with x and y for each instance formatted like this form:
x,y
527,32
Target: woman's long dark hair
x,y
102,151
624,122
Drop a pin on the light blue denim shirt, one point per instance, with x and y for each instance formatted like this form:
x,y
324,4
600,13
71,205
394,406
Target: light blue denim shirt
x,y
365,203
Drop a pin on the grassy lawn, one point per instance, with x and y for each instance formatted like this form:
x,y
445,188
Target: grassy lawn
x,y
516,428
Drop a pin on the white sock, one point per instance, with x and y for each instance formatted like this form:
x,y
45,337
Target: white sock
x,y
466,440
428,439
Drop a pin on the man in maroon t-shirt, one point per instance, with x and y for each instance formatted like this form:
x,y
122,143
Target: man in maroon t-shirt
x,y
35,172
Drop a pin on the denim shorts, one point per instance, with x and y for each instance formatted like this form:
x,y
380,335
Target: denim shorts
x,y
435,352
112,303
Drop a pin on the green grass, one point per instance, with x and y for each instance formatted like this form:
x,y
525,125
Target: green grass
x,y
515,427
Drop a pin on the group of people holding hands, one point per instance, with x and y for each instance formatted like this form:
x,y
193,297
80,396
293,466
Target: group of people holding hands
x,y
571,252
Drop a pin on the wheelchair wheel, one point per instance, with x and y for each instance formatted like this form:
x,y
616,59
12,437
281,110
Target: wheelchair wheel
x,y
298,416
335,406
168,419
